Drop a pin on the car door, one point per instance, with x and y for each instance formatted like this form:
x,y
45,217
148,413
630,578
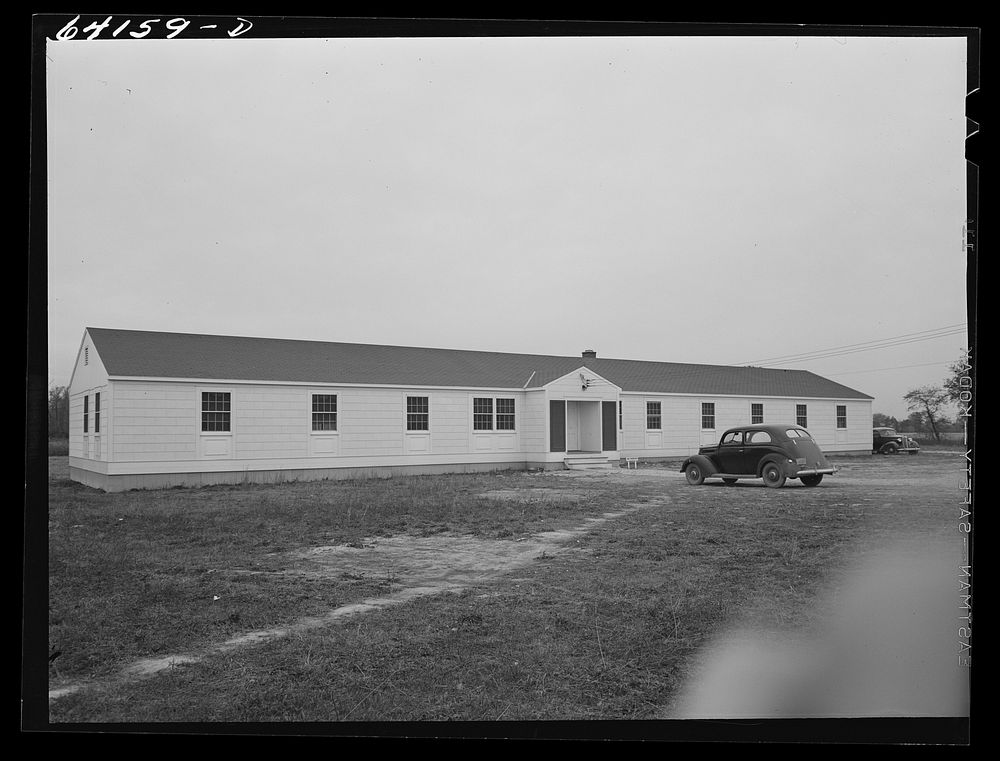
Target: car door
x,y
758,444
731,452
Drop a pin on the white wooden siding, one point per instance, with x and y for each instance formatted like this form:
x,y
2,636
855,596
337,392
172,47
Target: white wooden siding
x,y
155,422
681,431
534,438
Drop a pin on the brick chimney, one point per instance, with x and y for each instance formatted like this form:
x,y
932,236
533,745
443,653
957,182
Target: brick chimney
x,y
589,354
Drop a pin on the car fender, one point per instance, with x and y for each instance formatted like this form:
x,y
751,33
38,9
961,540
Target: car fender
x,y
703,462
782,461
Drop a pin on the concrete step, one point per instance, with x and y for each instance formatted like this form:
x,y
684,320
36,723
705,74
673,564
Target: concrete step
x,y
587,463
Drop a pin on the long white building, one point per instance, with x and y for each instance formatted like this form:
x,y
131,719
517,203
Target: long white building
x,y
150,410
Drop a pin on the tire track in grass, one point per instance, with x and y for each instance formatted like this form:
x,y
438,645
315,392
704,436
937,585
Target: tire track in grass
x,y
426,565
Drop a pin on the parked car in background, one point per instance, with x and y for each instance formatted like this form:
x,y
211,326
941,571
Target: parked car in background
x,y
887,441
774,453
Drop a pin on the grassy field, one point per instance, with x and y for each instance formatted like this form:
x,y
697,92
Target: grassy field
x,y
605,627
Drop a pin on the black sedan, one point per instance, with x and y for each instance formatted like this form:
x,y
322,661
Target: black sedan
x,y
771,452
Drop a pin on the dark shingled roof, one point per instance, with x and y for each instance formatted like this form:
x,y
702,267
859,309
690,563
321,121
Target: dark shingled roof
x,y
144,354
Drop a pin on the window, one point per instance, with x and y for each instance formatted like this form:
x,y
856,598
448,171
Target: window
x,y
483,418
801,418
756,414
796,433
417,413
758,437
482,414
215,410
324,412
733,439
708,416
97,412
505,414
654,417
86,413
842,416
620,415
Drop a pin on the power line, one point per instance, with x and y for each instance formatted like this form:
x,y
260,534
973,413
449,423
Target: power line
x,y
953,328
856,351
882,343
897,367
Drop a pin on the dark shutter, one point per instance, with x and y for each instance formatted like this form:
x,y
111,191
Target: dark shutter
x,y
609,420
557,425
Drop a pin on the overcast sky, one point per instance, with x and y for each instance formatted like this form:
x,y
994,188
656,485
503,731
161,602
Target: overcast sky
x,y
710,200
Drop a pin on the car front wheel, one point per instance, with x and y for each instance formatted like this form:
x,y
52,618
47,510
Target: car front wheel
x,y
694,475
890,448
773,476
812,480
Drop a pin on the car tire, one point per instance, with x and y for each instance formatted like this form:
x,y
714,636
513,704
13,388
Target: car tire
x,y
812,480
694,475
773,475
890,448
729,481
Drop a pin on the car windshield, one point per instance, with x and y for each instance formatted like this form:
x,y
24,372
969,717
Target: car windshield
x,y
886,432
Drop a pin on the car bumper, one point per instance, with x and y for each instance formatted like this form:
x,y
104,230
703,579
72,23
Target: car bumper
x,y
815,472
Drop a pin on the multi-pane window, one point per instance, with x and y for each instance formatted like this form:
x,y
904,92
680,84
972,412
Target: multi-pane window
x,y
216,411
842,416
324,412
708,416
620,415
756,413
493,414
505,414
654,418
86,414
417,413
482,414
801,418
97,412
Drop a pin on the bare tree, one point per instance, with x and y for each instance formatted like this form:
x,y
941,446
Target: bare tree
x,y
58,412
958,387
928,400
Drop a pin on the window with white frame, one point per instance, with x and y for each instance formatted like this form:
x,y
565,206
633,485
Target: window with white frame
x,y
97,412
756,413
654,416
620,415
708,416
842,416
216,411
86,414
489,414
801,415
505,414
418,416
324,412
482,414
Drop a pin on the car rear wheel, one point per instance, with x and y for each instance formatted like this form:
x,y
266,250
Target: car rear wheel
x,y
694,475
772,475
890,448
729,481
812,480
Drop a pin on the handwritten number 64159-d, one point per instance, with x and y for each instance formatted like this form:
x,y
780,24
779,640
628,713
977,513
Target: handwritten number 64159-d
x,y
144,28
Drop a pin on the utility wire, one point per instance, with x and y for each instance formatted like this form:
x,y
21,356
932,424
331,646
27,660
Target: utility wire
x,y
880,369
883,343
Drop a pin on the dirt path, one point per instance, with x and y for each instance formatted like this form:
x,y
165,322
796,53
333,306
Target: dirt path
x,y
422,566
